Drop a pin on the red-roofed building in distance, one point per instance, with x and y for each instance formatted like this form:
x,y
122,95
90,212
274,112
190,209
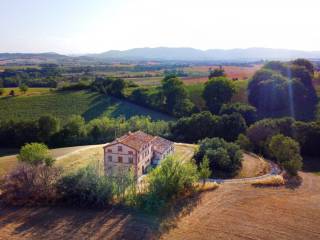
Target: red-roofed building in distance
x,y
136,150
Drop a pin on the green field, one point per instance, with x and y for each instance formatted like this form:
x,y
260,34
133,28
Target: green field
x,y
63,104
195,93
30,92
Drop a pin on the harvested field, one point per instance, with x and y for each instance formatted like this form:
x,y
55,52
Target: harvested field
x,y
245,212
233,211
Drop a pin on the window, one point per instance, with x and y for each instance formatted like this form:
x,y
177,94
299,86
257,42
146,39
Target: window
x,y
120,159
109,150
120,148
130,152
130,159
110,158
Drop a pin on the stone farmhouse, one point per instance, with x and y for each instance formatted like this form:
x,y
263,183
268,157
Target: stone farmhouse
x,y
136,150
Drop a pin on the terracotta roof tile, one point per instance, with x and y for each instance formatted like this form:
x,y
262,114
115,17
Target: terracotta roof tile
x,y
160,144
134,140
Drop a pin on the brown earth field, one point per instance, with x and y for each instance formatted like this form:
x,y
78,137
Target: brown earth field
x,y
233,211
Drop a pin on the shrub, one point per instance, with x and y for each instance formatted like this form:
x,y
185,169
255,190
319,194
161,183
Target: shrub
x,y
224,158
23,88
287,153
85,188
31,185
244,142
248,112
204,169
171,179
35,154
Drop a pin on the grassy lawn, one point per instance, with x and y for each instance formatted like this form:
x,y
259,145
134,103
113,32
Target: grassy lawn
x,y
185,152
64,104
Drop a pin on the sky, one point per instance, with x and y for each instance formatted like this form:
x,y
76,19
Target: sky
x,y
94,26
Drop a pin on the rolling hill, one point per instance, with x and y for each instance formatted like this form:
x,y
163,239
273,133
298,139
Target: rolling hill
x,y
64,104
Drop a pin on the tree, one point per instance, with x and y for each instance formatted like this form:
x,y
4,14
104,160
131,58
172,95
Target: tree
x,y
35,154
48,126
248,112
23,88
75,126
204,170
117,87
284,89
287,153
217,72
218,91
230,126
176,96
197,127
225,159
244,142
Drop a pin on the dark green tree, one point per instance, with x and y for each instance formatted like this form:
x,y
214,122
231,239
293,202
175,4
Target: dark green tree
x,y
218,91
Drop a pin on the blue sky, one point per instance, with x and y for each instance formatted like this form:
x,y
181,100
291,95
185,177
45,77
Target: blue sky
x,y
84,26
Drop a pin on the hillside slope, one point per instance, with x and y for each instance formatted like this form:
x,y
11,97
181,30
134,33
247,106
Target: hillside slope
x,y
63,104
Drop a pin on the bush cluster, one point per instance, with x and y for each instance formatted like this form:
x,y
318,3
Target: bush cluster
x,y
225,159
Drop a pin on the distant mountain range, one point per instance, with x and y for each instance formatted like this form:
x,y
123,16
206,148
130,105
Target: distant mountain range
x,y
169,54
191,54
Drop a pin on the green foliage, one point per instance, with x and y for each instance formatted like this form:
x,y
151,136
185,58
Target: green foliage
x,y
204,124
230,126
284,89
244,142
23,88
249,113
287,153
35,154
110,86
1,91
75,126
218,91
198,126
48,125
85,188
204,169
176,97
217,72
170,179
224,158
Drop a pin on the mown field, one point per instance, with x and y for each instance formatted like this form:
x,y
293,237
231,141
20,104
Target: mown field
x,y
64,104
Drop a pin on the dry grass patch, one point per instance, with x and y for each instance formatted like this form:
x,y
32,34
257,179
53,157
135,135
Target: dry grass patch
x,y
208,186
272,181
